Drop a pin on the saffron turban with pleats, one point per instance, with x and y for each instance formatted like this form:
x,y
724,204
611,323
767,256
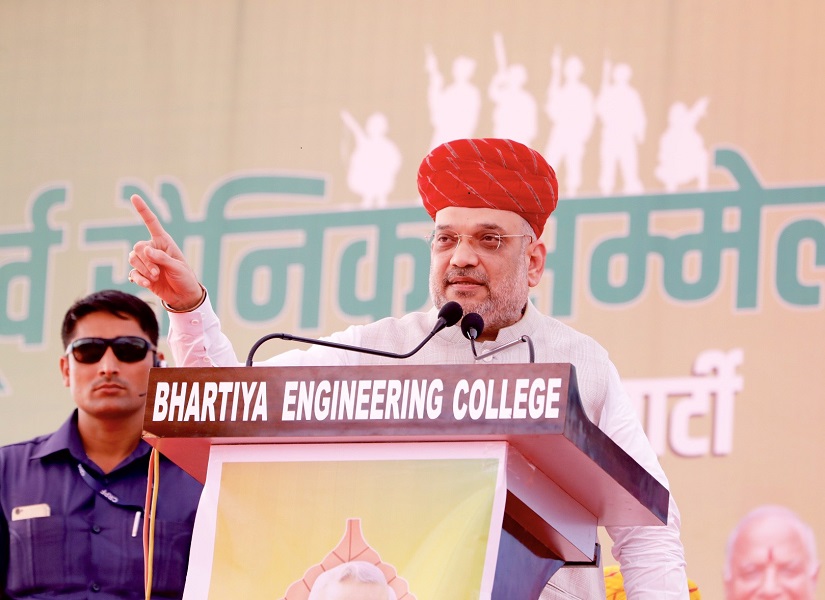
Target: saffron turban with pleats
x,y
489,173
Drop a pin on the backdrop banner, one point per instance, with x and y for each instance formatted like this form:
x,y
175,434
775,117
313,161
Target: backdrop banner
x,y
279,142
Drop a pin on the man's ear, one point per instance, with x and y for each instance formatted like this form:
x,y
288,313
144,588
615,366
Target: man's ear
x,y
537,256
159,362
64,369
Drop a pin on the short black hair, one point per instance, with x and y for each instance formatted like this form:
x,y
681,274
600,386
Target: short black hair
x,y
114,302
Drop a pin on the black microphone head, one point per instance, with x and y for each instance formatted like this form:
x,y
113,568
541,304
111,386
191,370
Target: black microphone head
x,y
450,313
472,325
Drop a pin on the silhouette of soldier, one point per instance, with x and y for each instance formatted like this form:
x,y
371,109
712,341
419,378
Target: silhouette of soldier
x,y
515,115
374,164
571,109
454,109
622,114
682,153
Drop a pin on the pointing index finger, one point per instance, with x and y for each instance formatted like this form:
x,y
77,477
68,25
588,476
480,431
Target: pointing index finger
x,y
149,219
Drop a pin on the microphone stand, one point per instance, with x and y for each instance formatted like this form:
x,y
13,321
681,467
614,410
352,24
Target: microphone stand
x,y
448,316
472,325
520,340
296,338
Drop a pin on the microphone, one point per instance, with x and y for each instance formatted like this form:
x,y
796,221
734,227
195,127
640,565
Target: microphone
x,y
472,325
448,316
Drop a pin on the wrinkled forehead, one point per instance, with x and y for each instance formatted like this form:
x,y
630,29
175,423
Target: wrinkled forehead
x,y
770,541
462,218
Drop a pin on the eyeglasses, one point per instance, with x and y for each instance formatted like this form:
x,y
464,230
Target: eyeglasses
x,y
447,241
127,348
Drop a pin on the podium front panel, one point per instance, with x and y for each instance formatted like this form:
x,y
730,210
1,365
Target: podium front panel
x,y
273,517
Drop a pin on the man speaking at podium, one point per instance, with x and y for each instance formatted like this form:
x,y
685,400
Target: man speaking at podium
x,y
489,200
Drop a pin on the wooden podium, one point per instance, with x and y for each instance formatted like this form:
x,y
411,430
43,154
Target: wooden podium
x,y
563,477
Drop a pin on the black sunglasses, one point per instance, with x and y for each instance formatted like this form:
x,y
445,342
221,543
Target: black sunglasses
x,y
127,348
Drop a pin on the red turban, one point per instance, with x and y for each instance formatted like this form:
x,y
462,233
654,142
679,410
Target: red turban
x,y
489,173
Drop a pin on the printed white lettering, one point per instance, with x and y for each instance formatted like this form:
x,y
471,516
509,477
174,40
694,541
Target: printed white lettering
x,y
668,406
161,401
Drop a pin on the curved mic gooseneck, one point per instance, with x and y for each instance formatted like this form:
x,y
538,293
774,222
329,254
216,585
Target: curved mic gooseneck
x,y
472,325
448,316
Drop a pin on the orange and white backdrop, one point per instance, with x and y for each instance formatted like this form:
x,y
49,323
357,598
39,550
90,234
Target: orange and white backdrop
x,y
279,142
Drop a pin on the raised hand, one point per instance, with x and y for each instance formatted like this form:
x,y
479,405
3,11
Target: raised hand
x,y
159,265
